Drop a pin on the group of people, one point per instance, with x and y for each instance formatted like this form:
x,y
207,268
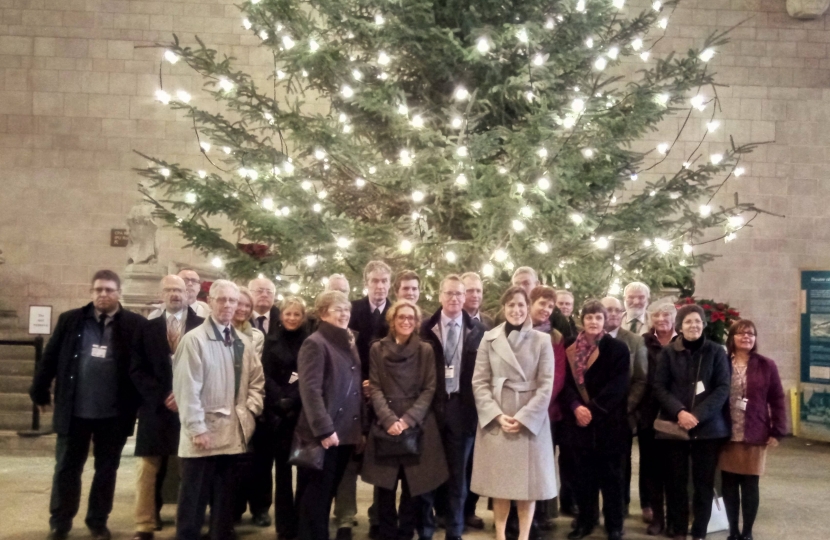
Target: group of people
x,y
444,408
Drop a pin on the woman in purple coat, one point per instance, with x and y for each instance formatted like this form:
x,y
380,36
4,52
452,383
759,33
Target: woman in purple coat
x,y
756,405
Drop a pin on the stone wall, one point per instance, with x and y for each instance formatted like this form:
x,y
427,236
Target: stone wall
x,y
76,99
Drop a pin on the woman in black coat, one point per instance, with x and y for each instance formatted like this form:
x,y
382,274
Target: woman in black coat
x,y
692,386
594,403
282,405
332,416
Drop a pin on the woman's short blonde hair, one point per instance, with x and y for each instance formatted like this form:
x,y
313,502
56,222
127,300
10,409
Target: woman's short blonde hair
x,y
289,301
392,312
328,299
247,292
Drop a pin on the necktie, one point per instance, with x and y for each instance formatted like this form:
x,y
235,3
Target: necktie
x,y
376,317
102,324
451,343
228,340
633,326
173,332
260,323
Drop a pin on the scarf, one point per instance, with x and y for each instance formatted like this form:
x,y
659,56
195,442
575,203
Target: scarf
x,y
543,326
584,349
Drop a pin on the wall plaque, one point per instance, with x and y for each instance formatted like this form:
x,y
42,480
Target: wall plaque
x,y
119,237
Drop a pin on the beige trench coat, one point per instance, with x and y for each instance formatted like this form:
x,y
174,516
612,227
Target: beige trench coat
x,y
514,377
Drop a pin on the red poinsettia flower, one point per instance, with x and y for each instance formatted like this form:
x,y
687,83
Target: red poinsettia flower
x,y
720,306
690,300
732,313
717,316
706,306
257,251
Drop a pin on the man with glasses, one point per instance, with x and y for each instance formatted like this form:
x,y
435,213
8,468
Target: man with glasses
x,y
219,387
158,426
265,315
88,358
454,337
193,285
637,387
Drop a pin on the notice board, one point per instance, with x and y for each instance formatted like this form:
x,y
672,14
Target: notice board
x,y
814,406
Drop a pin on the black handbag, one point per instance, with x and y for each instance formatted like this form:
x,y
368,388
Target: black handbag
x,y
408,443
672,430
306,453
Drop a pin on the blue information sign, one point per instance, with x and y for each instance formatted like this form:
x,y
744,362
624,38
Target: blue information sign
x,y
815,355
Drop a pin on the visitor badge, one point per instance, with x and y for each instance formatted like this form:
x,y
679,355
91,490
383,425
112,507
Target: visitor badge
x,y
699,389
742,404
449,373
99,351
293,378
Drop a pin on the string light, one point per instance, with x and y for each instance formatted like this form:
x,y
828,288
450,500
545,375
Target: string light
x,y
729,237
542,247
287,42
171,57
225,84
263,35
589,43
698,102
461,94
705,210
525,211
712,126
268,203
618,4
356,74
162,96
518,226
577,218
521,35
663,148
451,257
313,46
246,24
634,177
379,19
227,149
637,44
476,205
461,179
482,45
343,242
644,56
580,6
662,245
613,53
488,270
319,154
405,246
305,185
602,242
500,255
417,121
183,96
383,59
216,262
707,54
739,171
543,183
418,196
317,207
288,167
662,99
346,91
190,198
164,171
202,174
601,63
577,105
403,109
360,182
538,59
657,6
542,152
456,122
280,74
588,153
549,24
687,249
461,151
736,222
716,158
663,23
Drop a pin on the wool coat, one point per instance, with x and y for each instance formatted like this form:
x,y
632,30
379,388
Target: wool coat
x,y
402,382
60,364
330,386
514,376
606,383
679,372
363,323
198,364
152,372
639,372
766,413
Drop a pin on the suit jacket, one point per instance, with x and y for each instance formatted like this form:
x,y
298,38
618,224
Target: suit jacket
x,y
565,325
273,322
151,369
639,372
362,322
60,364
486,321
473,332
606,382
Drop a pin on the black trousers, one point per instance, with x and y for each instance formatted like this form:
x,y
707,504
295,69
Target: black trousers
x,y
599,472
627,472
71,451
207,479
704,458
400,523
652,471
315,491
567,495
740,492
254,490
285,506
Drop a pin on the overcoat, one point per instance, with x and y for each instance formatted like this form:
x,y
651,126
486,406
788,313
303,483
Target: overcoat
x,y
363,323
639,372
151,370
514,376
402,381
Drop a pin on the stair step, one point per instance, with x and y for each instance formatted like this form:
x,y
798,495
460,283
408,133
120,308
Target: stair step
x,y
15,384
22,420
16,352
17,367
15,402
11,444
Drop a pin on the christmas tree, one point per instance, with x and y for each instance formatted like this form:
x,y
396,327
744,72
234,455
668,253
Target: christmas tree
x,y
445,136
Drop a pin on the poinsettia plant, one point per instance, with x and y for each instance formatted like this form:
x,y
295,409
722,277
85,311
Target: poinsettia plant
x,y
719,317
204,291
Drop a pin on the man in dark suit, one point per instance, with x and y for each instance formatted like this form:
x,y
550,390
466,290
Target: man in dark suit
x,y
158,417
474,297
562,317
369,322
88,357
454,337
265,316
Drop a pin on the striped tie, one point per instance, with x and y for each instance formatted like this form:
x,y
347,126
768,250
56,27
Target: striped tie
x,y
173,333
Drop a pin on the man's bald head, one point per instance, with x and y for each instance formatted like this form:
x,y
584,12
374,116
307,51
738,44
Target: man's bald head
x,y
615,313
173,293
263,291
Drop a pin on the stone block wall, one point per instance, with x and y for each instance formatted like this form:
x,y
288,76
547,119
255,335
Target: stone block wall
x,y
76,99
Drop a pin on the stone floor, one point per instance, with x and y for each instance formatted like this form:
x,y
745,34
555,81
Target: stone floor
x,y
795,500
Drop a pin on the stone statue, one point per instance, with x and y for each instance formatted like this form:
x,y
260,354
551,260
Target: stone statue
x,y
142,247
807,9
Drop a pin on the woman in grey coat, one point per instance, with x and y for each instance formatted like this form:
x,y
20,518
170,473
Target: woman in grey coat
x,y
402,384
513,383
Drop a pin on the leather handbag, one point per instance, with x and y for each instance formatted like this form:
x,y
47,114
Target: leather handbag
x,y
672,430
408,443
306,453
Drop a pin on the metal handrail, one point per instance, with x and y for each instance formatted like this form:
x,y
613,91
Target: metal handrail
x,y
37,343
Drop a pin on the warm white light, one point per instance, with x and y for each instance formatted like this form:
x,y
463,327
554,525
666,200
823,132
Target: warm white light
x,y
618,4
601,63
707,54
542,153
216,262
317,207
183,96
652,193
698,102
347,128
500,255
268,203
162,96
456,122
313,46
542,247
461,93
343,242
589,43
736,222
637,44
287,42
190,198
263,35
520,188
227,149
373,169
171,57
577,105
357,74
482,45
322,194
306,185
461,151
488,270
663,246
705,210
246,24
716,158
284,210
319,154
164,171
580,6
225,84
647,242
739,171
538,59
634,177
346,91
383,59
502,170
202,174
729,237
687,249
379,19
613,53
529,95
476,205
461,179
662,99
360,182
288,167
294,288
521,35
663,148
417,196
644,56
588,153
406,246
518,226
663,23
602,242
525,211
451,257
657,5
712,126
549,24
577,219
569,122
543,183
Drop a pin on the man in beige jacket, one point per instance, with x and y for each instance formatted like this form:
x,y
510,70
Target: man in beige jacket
x,y
219,385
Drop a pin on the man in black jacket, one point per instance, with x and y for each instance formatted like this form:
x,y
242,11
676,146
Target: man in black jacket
x,y
454,337
265,315
158,426
88,357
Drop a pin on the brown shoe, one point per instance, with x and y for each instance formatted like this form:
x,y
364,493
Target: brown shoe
x,y
143,536
655,528
474,521
648,515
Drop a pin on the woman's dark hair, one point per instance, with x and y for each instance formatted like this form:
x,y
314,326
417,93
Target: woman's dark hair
x,y
592,305
739,326
511,292
684,312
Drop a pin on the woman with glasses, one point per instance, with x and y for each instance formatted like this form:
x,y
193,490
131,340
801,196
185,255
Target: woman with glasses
x,y
402,382
332,414
758,413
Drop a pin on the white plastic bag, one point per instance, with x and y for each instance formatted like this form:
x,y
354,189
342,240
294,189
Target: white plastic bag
x,y
718,521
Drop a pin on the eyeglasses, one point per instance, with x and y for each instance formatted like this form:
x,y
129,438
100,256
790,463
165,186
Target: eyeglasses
x,y
192,280
104,290
263,291
340,310
745,334
405,318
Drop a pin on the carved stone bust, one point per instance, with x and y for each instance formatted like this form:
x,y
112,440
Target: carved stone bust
x,y
142,247
807,9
